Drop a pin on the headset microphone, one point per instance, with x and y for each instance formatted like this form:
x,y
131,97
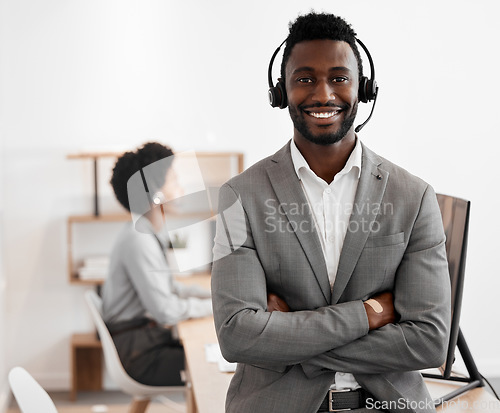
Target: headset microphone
x,y
359,127
368,89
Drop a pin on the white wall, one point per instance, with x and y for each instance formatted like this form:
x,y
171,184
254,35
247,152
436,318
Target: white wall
x,y
80,74
4,390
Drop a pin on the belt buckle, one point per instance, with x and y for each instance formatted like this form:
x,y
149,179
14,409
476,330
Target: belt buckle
x,y
330,399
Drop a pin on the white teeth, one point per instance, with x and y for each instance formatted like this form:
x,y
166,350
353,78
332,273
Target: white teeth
x,y
323,115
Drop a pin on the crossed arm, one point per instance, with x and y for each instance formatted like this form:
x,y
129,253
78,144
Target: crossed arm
x,y
358,356
379,309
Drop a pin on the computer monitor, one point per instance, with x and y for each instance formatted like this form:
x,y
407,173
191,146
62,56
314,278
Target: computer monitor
x,y
455,214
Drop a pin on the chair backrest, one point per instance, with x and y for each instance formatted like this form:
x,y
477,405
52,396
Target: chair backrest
x,y
111,358
455,214
113,364
30,396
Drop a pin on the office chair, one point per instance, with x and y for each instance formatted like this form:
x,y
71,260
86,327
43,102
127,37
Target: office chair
x,y
30,396
141,393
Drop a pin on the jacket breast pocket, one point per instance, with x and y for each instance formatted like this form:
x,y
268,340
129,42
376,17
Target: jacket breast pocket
x,y
385,240
376,267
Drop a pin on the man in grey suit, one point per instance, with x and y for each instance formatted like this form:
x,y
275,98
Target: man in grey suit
x,y
348,247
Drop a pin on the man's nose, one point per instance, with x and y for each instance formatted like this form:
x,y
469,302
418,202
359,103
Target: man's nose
x,y
323,92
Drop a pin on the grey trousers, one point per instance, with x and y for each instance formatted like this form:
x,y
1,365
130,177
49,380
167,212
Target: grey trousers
x,y
151,355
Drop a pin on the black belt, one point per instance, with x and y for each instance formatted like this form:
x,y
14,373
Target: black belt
x,y
340,400
129,325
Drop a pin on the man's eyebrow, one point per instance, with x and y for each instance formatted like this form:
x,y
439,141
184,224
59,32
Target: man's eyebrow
x,y
311,69
303,69
342,68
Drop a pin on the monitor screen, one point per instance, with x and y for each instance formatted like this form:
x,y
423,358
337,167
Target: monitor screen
x,y
455,214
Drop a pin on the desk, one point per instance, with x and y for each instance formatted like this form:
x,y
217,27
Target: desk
x,y
207,386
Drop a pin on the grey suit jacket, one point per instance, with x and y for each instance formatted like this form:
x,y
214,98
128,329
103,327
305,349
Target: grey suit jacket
x,y
266,242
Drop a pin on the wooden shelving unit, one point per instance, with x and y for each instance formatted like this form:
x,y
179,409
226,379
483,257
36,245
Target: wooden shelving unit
x,y
86,351
215,167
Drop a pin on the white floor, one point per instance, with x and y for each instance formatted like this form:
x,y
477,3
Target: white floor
x,y
116,401
99,402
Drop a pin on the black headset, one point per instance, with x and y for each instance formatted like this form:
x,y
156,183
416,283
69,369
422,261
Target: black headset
x,y
157,198
367,92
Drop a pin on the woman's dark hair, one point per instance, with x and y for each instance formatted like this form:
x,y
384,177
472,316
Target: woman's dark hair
x,y
132,162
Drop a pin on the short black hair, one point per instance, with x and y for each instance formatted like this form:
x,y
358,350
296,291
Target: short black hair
x,y
131,162
319,26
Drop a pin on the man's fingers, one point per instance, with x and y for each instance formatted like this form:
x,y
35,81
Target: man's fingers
x,y
275,303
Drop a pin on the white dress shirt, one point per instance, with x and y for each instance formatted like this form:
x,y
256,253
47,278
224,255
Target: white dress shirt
x,y
331,205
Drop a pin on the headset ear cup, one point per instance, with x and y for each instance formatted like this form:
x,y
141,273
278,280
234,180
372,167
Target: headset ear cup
x,y
371,88
274,96
277,96
367,89
362,92
284,98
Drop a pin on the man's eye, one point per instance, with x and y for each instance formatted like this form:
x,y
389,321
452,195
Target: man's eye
x,y
339,79
304,80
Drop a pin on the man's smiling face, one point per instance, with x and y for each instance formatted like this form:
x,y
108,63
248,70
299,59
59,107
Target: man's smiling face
x,y
322,85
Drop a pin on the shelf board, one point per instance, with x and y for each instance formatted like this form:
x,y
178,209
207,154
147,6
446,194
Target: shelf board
x,y
193,278
85,340
127,217
100,218
111,154
93,155
77,281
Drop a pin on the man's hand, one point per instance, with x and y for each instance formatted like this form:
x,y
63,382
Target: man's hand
x,y
379,310
274,303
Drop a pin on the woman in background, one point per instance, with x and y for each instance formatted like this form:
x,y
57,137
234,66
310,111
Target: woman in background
x,y
141,301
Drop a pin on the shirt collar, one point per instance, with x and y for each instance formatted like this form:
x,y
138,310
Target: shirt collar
x,y
354,160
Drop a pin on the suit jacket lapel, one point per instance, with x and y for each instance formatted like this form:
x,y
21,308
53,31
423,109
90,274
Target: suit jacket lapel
x,y
293,202
371,188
